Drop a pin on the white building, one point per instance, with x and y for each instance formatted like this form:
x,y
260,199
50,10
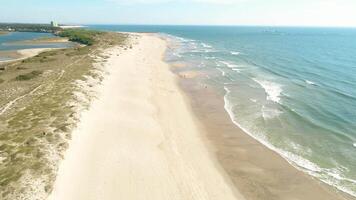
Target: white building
x,y
54,24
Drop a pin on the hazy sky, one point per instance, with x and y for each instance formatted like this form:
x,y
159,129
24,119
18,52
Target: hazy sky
x,y
203,12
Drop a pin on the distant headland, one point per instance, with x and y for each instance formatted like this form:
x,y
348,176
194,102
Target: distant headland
x,y
52,27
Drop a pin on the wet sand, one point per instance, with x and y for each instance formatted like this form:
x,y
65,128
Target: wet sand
x,y
257,172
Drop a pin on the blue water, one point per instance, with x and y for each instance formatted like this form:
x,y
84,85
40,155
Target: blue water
x,y
6,41
293,89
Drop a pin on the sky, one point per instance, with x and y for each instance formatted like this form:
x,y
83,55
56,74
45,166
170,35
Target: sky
x,y
183,12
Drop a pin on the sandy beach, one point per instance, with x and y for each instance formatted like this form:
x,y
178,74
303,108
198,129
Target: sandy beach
x,y
140,140
153,134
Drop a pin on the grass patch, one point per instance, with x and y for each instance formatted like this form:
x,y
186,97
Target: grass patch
x,y
44,57
28,76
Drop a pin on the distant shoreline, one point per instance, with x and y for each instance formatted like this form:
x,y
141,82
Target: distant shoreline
x,y
20,54
4,32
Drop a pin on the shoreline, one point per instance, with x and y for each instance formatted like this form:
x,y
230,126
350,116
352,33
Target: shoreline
x,y
23,54
256,170
139,139
112,158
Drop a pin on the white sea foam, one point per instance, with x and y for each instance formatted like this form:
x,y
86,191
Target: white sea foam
x,y
293,159
354,144
310,82
177,54
196,50
228,64
297,161
237,70
209,50
272,89
222,71
336,179
206,45
210,57
336,173
235,53
270,113
183,39
253,100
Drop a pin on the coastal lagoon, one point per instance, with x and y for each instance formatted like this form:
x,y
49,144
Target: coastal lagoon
x,y
292,89
12,42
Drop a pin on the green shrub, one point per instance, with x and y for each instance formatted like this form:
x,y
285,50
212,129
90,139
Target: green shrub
x,y
81,36
28,76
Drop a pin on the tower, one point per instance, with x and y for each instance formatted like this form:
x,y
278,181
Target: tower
x,y
54,24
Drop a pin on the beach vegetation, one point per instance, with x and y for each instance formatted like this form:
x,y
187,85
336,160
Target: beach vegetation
x,y
43,118
82,36
28,76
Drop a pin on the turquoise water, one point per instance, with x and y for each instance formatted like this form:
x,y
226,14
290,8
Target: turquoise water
x,y
293,89
7,45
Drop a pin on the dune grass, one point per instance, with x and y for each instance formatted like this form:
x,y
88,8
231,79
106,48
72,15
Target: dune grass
x,y
35,129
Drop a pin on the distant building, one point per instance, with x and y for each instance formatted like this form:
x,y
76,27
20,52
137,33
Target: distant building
x,y
54,24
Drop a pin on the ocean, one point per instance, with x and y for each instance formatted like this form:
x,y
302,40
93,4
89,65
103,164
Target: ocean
x,y
291,88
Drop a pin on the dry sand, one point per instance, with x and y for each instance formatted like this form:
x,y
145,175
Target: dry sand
x,y
27,53
189,74
139,140
22,54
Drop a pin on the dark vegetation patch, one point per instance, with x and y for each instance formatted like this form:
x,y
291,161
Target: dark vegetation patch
x,y
82,36
28,76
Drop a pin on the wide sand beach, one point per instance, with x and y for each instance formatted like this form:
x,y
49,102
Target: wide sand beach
x,y
139,140
152,134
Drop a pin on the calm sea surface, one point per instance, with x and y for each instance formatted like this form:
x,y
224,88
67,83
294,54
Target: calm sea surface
x,y
293,89
6,42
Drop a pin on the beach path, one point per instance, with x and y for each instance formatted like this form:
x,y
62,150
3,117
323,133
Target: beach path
x,y
139,140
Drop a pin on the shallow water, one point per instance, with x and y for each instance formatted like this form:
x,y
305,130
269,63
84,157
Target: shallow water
x,y
293,89
6,42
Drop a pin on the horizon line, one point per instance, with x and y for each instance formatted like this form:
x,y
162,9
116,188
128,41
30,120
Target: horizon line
x,y
198,25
